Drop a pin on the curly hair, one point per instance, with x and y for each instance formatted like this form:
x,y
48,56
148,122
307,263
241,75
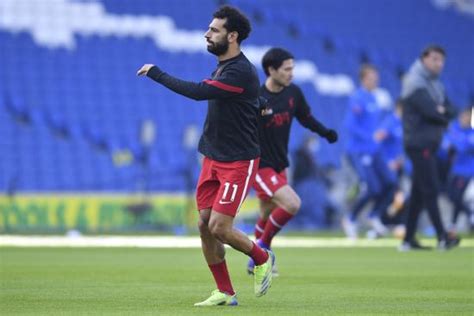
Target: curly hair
x,y
236,21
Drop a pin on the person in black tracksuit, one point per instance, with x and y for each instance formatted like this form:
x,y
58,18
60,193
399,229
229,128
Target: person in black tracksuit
x,y
426,114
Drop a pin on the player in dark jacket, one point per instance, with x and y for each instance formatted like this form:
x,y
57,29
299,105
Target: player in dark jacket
x,y
285,101
231,148
426,114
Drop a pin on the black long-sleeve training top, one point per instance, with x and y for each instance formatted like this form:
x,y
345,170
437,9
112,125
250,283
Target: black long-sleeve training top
x,y
423,125
275,124
231,130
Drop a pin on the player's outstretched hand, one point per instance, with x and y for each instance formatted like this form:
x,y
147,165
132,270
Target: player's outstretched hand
x,y
144,70
331,136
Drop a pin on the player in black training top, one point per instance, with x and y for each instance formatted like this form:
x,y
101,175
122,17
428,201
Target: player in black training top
x,y
231,148
278,201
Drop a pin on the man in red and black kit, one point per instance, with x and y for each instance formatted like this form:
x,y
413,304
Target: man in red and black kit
x,y
231,148
278,201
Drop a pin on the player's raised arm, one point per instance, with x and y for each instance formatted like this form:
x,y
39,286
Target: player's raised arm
x,y
221,86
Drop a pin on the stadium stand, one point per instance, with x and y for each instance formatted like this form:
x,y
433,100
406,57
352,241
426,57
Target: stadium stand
x,y
66,109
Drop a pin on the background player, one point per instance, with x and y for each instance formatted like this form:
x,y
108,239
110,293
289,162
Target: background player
x,y
278,201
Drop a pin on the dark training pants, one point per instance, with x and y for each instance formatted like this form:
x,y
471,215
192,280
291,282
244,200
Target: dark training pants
x,y
424,192
381,182
457,187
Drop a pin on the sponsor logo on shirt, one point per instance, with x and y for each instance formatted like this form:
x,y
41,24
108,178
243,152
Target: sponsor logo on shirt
x,y
279,119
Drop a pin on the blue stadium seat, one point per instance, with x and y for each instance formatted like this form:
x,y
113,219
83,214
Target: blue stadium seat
x,y
91,91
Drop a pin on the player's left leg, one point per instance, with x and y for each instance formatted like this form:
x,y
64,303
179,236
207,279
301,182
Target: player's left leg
x,y
278,200
457,187
266,207
267,182
288,203
387,179
363,165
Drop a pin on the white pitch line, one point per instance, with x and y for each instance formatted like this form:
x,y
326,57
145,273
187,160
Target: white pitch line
x,y
188,242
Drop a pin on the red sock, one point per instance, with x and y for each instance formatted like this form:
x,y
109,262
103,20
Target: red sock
x,y
278,218
222,278
260,227
258,255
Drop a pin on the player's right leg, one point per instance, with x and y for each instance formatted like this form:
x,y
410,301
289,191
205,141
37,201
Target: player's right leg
x,y
235,179
221,227
214,253
212,248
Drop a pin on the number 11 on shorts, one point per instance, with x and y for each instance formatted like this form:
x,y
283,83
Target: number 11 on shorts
x,y
226,191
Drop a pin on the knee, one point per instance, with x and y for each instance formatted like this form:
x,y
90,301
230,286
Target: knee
x,y
203,226
219,231
294,205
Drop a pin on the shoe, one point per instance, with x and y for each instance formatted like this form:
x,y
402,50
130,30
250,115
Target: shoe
x,y
219,298
372,234
448,242
378,226
350,228
251,264
263,275
275,270
412,245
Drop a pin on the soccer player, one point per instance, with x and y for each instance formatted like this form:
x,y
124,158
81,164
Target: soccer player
x,y
461,138
363,150
231,148
278,201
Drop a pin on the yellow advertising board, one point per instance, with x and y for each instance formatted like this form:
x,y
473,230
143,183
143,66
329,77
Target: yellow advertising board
x,y
97,213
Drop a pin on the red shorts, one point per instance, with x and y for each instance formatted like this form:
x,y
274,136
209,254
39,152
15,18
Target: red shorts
x,y
268,181
223,186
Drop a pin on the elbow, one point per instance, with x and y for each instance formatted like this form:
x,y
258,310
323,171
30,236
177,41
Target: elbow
x,y
197,97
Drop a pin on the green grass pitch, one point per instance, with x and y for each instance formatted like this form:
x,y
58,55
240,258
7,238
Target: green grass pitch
x,y
315,281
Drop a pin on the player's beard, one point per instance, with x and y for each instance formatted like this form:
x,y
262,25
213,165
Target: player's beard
x,y
218,48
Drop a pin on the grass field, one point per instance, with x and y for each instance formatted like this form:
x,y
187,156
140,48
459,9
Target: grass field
x,y
314,281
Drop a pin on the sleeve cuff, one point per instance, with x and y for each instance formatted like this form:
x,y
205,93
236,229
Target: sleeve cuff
x,y
154,73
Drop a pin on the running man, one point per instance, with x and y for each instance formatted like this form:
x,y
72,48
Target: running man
x,y
231,148
278,201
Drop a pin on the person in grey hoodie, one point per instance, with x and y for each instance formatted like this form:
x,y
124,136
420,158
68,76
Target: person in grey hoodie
x,y
426,114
